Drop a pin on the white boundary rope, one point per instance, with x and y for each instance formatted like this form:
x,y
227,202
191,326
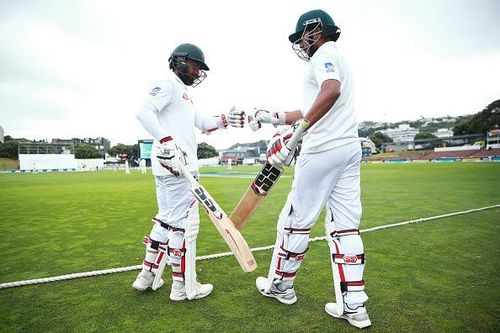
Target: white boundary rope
x,y
226,254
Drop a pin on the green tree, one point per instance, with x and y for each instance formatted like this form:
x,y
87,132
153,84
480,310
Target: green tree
x,y
129,150
206,151
378,138
424,135
9,149
481,122
84,150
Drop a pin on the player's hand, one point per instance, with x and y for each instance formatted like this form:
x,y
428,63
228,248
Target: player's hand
x,y
236,117
171,156
254,124
278,154
266,117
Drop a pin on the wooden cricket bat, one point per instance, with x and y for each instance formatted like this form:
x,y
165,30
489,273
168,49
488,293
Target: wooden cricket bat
x,y
226,228
262,184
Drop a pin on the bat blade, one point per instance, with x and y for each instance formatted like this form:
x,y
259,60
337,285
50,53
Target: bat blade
x,y
248,204
236,242
224,225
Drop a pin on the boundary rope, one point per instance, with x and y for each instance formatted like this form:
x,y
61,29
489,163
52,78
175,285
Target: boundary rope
x,y
226,254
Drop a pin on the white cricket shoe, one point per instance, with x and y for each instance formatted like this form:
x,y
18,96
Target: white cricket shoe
x,y
286,297
145,280
178,291
358,318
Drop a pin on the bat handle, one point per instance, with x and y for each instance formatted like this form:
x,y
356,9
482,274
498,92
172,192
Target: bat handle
x,y
186,173
303,124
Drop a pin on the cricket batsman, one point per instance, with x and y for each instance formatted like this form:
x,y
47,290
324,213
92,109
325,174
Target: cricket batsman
x,y
168,114
327,173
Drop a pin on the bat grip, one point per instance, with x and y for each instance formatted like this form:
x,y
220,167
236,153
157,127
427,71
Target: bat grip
x,y
292,143
186,173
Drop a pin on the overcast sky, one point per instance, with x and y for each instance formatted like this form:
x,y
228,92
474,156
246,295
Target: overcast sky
x,y
80,68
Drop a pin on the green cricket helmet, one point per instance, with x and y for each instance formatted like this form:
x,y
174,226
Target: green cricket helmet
x,y
310,19
309,28
177,62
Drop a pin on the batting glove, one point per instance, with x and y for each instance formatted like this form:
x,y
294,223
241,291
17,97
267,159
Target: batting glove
x,y
236,117
278,154
171,156
266,117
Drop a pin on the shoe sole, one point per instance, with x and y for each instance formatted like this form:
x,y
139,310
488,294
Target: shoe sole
x,y
355,323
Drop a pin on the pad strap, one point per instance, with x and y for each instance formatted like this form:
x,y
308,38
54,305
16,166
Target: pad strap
x,y
341,233
291,256
150,266
352,286
349,259
167,226
298,231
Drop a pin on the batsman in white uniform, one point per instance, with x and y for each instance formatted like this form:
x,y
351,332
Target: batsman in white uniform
x,y
327,173
169,116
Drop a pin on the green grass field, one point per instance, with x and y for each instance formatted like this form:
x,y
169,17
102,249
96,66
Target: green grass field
x,y
438,276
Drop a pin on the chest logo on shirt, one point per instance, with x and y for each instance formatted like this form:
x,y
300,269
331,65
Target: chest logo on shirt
x,y
155,91
330,68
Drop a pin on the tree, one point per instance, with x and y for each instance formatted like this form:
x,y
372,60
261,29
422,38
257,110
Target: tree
x,y
481,122
424,135
84,150
9,149
121,149
206,151
378,138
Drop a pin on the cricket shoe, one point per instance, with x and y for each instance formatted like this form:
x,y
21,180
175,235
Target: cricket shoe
x,y
178,291
358,318
145,280
286,297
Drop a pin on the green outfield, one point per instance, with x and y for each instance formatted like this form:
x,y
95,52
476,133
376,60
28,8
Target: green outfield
x,y
438,276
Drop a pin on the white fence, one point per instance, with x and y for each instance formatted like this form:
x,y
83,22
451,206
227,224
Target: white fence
x,y
42,162
35,162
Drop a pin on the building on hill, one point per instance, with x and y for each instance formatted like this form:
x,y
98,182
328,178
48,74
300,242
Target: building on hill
x,y
443,133
101,144
425,144
493,139
43,147
238,154
402,133
2,139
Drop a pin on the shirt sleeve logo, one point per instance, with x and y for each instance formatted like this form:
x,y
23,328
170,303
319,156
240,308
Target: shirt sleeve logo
x,y
329,67
155,91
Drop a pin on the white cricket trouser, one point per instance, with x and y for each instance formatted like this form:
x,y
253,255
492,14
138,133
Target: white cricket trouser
x,y
177,206
330,178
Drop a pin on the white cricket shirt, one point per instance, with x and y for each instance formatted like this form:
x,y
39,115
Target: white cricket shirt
x,y
170,101
339,125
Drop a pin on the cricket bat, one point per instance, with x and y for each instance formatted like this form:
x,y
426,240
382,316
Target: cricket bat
x,y
262,184
226,228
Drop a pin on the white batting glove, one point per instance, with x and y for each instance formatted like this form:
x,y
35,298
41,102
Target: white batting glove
x,y
254,124
266,117
171,156
277,152
236,117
